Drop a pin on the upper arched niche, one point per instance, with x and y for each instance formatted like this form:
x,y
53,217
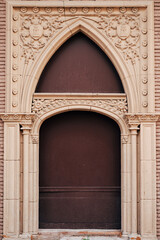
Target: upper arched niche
x,y
79,66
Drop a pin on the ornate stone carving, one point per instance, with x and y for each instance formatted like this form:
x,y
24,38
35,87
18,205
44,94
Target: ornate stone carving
x,y
35,139
41,106
36,30
124,30
18,117
33,27
124,139
138,118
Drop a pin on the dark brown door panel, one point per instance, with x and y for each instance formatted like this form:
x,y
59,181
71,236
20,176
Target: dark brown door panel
x,y
80,172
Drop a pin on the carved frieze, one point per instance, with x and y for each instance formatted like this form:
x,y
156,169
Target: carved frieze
x,y
138,118
18,117
44,105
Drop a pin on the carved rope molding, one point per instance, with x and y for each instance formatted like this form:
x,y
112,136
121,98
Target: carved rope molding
x,y
42,106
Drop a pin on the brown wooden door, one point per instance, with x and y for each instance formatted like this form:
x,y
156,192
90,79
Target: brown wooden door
x,y
80,172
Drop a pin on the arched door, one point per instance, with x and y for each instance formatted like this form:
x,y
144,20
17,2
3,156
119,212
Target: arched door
x,y
79,151
80,172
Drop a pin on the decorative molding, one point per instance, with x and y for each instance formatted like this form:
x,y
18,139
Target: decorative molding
x,y
138,118
41,106
18,117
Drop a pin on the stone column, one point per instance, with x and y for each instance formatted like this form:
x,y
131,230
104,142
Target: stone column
x,y
148,180
125,186
134,220
34,184
26,154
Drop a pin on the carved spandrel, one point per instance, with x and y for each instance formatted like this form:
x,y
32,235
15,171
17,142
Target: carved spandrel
x,y
121,25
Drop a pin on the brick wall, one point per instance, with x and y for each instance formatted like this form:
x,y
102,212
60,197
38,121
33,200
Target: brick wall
x,y
2,100
157,92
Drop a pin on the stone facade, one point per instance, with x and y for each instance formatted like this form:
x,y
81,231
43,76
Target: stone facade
x,y
132,29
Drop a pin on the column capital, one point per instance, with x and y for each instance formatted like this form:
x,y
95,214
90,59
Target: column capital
x,y
17,117
124,139
133,127
26,128
141,117
35,139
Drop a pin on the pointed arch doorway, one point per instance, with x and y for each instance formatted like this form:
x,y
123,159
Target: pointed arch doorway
x,y
80,183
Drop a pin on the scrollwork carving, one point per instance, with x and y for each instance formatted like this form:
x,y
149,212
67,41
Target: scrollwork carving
x,y
124,139
41,106
36,30
35,139
124,30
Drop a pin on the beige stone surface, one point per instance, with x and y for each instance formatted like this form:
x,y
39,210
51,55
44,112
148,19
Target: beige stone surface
x,y
135,65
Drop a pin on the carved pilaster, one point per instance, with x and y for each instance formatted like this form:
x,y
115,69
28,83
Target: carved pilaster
x,y
134,220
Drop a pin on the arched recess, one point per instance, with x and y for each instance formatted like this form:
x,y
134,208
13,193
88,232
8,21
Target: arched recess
x,y
79,172
104,43
124,139
79,66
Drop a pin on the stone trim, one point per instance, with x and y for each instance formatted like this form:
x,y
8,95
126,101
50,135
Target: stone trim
x,y
109,24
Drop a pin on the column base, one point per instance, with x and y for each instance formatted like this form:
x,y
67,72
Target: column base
x,y
139,237
25,236
134,236
149,238
20,237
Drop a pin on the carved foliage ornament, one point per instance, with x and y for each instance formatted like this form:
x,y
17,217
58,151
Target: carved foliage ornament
x,y
124,31
41,106
36,30
123,28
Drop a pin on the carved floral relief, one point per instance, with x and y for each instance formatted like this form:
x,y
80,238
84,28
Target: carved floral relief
x,y
124,31
36,29
41,106
33,28
38,26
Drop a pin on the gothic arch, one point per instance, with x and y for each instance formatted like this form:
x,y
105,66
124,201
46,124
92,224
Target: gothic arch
x,y
104,43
